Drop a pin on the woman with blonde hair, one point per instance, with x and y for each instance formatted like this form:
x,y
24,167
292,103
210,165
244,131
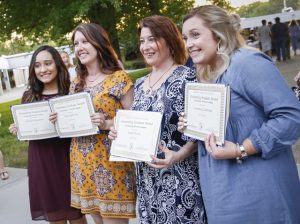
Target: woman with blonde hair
x,y
252,178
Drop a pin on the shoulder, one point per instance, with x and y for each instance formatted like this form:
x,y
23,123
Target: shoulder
x,y
185,73
247,64
120,76
247,57
140,80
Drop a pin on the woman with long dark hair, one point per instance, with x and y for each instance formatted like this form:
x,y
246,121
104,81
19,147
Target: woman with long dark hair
x,y
48,159
104,189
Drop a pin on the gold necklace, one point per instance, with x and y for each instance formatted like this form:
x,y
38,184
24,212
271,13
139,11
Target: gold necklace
x,y
149,81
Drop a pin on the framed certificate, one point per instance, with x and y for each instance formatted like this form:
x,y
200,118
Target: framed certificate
x,y
73,115
206,109
73,118
32,120
138,135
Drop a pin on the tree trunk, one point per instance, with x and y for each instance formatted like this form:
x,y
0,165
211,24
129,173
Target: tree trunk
x,y
106,17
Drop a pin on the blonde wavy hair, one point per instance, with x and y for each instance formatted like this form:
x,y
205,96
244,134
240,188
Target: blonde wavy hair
x,y
226,30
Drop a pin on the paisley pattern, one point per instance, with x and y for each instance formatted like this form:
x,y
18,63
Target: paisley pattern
x,y
97,184
170,195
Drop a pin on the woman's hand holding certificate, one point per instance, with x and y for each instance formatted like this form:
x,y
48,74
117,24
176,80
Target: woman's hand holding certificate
x,y
206,110
71,115
138,134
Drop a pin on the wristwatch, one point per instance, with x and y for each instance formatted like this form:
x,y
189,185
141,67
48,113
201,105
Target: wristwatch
x,y
244,154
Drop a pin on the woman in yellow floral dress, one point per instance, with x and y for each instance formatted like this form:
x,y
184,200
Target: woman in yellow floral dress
x,y
104,189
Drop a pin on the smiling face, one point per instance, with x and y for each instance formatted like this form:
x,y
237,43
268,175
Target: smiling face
x,y
199,41
45,68
84,50
155,51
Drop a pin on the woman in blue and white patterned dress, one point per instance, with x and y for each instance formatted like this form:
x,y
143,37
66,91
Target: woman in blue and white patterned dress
x,y
168,188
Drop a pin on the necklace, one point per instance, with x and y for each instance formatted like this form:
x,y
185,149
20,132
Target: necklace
x,y
93,80
149,81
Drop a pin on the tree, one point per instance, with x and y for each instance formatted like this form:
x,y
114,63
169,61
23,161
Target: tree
x,y
265,8
225,4
44,20
133,11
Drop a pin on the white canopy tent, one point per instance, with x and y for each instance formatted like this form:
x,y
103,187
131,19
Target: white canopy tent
x,y
256,21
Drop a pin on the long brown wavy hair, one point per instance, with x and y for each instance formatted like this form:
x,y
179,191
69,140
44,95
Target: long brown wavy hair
x,y
36,87
163,27
107,57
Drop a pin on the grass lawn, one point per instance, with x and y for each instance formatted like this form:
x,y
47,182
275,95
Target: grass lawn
x,y
139,73
14,151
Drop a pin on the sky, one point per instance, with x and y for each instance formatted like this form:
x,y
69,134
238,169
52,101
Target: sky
x,y
234,3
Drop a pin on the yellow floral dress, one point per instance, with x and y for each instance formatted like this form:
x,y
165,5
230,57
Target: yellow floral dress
x,y
99,185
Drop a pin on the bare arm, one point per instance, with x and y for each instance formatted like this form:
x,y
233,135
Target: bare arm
x,y
172,157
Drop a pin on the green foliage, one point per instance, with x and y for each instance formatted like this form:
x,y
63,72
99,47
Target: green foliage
x,y
14,151
134,64
39,21
140,73
133,11
266,8
225,4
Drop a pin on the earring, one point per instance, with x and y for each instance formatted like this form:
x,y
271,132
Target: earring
x,y
219,46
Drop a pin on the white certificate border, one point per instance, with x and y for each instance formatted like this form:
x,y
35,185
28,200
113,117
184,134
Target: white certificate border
x,y
89,103
222,89
155,137
14,109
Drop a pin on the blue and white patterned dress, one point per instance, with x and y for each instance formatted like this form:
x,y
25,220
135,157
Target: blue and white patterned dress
x,y
170,195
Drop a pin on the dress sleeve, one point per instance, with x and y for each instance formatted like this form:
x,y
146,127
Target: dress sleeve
x,y
264,87
120,84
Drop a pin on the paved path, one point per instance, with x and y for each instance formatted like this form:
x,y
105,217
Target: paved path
x,y
14,200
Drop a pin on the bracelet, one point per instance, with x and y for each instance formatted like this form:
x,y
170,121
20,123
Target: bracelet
x,y
243,154
238,157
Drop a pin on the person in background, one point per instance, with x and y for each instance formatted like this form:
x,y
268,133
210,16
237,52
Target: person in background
x,y
48,159
294,30
104,189
71,68
3,172
264,36
253,177
168,188
273,51
279,32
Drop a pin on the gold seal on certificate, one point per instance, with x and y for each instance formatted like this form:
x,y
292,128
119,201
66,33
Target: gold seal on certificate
x,y
206,109
138,135
73,119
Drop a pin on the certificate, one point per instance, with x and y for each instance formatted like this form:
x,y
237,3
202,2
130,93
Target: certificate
x,y
138,135
206,109
32,120
73,115
73,118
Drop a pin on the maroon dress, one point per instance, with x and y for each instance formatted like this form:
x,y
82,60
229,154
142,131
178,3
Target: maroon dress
x,y
49,179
